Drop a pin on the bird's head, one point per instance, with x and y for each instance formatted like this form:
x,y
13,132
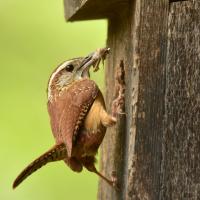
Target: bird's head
x,y
75,69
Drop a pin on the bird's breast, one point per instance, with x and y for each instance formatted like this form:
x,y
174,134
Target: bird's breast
x,y
93,131
92,121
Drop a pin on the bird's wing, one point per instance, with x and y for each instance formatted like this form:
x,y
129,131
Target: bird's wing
x,y
68,111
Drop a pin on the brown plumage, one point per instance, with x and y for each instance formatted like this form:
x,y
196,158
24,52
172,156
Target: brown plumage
x,y
58,152
78,117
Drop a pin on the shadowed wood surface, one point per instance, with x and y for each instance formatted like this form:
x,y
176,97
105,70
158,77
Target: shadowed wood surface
x,y
181,150
92,9
154,148
147,103
114,144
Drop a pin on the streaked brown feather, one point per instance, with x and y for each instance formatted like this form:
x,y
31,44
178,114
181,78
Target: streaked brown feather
x,y
58,152
68,110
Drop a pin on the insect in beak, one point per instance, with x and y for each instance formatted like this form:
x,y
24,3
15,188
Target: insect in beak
x,y
94,60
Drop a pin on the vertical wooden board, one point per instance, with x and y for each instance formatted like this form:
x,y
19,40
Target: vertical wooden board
x,y
113,147
139,37
146,129
181,150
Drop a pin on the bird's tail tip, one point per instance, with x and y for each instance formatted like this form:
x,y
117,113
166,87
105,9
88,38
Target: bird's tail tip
x,y
58,152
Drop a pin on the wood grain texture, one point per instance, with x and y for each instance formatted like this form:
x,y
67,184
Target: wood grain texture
x,y
144,58
114,144
181,150
146,128
92,9
155,147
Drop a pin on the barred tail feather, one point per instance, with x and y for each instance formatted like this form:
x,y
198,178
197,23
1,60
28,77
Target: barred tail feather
x,y
58,152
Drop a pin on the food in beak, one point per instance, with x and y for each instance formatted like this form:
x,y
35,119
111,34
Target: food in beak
x,y
99,54
94,60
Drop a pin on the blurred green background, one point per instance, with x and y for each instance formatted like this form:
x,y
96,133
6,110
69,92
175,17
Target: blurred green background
x,y
34,39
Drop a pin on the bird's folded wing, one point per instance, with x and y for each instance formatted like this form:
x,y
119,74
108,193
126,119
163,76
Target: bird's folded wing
x,y
68,111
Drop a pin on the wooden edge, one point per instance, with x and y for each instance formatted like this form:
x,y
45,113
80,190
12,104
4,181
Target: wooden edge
x,y
76,10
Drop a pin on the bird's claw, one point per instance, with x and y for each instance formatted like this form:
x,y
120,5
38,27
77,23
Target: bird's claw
x,y
117,105
115,183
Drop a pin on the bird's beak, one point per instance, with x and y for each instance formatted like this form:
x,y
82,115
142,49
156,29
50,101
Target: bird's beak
x,y
93,59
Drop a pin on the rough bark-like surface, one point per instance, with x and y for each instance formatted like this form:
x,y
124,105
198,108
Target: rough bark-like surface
x,y
181,165
146,128
114,145
155,147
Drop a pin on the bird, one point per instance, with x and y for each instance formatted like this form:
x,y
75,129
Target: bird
x,y
78,116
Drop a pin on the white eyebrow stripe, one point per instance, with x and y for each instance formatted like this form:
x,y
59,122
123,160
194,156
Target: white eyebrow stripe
x,y
62,66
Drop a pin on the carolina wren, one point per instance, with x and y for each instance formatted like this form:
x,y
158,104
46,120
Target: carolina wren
x,y
77,114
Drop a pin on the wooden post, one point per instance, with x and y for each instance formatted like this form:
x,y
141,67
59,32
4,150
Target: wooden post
x,y
155,147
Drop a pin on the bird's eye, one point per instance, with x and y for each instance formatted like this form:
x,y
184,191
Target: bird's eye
x,y
69,68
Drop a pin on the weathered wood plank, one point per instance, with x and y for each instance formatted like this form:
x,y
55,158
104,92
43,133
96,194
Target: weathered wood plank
x,y
181,151
93,9
114,145
144,57
155,147
146,127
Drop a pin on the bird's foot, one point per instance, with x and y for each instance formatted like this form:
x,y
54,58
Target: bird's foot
x,y
114,181
118,105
